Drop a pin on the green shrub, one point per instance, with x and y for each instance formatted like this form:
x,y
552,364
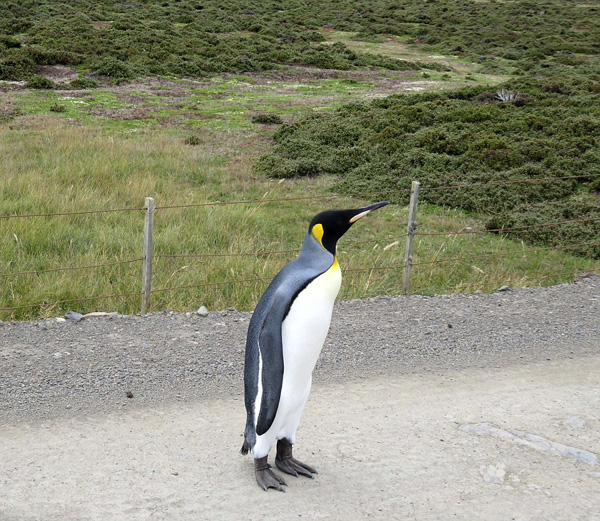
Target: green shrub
x,y
114,68
16,64
491,156
40,82
83,82
9,42
57,108
193,140
52,56
575,237
270,119
499,36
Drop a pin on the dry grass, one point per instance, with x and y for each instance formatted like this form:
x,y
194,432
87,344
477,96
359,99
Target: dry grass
x,y
50,165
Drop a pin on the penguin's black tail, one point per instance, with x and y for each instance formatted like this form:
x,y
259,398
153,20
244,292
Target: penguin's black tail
x,y
249,437
245,448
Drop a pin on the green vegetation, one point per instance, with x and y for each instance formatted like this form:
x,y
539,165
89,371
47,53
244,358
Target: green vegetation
x,y
52,166
223,102
494,149
191,38
269,119
255,103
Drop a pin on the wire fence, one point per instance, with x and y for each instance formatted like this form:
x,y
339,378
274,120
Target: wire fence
x,y
407,233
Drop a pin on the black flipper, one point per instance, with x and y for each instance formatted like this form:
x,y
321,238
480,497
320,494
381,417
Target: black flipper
x,y
271,351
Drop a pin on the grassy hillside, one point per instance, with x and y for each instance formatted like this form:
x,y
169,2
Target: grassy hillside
x,y
195,37
532,158
53,166
84,135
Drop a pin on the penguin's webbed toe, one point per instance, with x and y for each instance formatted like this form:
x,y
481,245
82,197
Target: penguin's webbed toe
x,y
266,478
288,464
294,467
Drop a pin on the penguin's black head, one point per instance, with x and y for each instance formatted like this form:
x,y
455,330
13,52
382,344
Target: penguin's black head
x,y
327,227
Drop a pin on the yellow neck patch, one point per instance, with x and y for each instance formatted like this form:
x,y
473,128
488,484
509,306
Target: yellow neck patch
x,y
335,265
317,231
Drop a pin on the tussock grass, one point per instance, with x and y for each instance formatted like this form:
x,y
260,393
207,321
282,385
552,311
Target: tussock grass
x,y
54,167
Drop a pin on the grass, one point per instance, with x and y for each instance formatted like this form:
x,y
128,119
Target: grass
x,y
461,71
51,166
192,141
221,103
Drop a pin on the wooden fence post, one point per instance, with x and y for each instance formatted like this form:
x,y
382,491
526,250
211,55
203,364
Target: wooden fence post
x,y
147,267
410,236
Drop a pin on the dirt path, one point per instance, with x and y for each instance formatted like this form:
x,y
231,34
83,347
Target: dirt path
x,y
450,407
386,448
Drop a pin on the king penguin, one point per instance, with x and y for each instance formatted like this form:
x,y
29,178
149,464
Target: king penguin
x,y
285,337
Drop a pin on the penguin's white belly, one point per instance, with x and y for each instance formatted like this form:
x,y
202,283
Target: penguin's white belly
x,y
303,333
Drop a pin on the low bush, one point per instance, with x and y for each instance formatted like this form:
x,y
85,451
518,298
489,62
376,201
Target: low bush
x,y
580,235
83,82
40,82
496,155
57,107
113,68
193,140
269,119
16,64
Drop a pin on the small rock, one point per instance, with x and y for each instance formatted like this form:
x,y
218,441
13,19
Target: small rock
x,y
61,319
73,315
504,288
58,354
100,314
129,394
574,422
493,474
202,311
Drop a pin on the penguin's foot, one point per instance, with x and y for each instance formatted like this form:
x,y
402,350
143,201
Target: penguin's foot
x,y
286,463
265,477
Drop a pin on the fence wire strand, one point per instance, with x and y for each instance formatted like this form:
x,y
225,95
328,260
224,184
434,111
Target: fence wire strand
x,y
201,255
501,183
82,212
507,254
204,284
71,268
502,230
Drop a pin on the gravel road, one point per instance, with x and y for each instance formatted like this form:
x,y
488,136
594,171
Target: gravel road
x,y
425,408
53,368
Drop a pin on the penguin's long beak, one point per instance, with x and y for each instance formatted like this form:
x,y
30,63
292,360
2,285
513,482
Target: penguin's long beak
x,y
366,210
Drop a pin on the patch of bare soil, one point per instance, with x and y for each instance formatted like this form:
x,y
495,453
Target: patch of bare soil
x,y
8,108
122,114
57,73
